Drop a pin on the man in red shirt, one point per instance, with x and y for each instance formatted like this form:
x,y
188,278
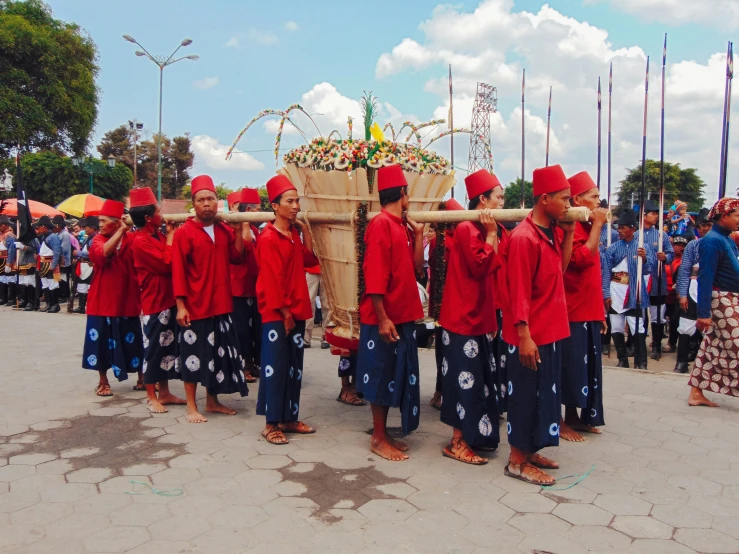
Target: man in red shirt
x,y
468,325
582,368
282,293
243,285
387,366
113,334
152,260
534,324
210,354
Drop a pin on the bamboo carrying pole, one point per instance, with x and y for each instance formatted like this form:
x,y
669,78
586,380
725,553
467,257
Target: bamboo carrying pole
x,y
444,216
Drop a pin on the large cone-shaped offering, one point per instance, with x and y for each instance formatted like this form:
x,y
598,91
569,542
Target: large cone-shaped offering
x,y
342,192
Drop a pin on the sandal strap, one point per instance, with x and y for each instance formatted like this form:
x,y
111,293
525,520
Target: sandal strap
x,y
463,450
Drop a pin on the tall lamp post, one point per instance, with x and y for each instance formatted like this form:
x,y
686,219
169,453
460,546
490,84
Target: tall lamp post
x,y
161,62
88,166
135,127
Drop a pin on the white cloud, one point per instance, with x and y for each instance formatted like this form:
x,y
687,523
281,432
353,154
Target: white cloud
x,y
721,13
206,83
233,42
493,43
264,38
212,154
291,26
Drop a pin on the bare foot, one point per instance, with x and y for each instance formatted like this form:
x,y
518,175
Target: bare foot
x,y
155,407
582,428
436,401
194,416
398,445
697,398
215,407
385,450
567,433
169,398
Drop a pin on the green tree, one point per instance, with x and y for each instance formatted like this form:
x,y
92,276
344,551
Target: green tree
x,y
513,194
182,159
118,143
48,96
684,184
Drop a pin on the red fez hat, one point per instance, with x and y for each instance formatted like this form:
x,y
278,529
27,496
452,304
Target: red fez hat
x,y
111,208
278,185
549,179
453,205
581,182
250,196
233,197
143,196
390,177
201,182
480,182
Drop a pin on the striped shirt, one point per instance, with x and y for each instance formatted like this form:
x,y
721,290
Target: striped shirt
x,y
690,258
651,237
603,243
615,255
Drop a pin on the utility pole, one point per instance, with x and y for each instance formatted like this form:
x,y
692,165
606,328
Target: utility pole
x,y
135,127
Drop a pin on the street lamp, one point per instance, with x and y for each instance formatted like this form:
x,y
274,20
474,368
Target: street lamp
x,y
161,62
135,127
88,166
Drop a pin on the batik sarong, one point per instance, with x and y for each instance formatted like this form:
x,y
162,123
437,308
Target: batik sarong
x,y
348,367
160,347
582,371
500,350
113,343
248,324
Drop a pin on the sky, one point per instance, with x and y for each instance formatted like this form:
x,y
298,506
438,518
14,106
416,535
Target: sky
x,y
259,55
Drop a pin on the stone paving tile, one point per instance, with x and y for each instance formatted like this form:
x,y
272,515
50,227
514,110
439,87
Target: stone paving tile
x,y
682,516
622,504
707,540
68,492
642,527
583,514
599,538
654,546
76,527
89,475
528,502
116,539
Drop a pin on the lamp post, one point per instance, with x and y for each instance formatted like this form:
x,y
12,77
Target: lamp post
x,y
135,127
88,166
161,62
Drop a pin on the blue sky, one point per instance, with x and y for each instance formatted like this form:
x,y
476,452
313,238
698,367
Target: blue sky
x,y
339,43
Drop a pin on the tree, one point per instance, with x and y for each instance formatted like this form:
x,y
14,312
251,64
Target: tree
x,y
679,183
182,159
48,96
513,194
118,143
50,178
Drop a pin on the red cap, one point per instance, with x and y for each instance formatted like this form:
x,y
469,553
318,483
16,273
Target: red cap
x,y
143,196
390,177
277,185
453,205
480,182
233,197
202,182
250,196
581,182
549,179
112,208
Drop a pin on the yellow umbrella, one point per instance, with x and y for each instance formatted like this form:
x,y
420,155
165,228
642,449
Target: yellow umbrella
x,y
81,204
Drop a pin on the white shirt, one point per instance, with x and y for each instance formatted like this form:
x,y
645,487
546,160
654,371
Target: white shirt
x,y
211,232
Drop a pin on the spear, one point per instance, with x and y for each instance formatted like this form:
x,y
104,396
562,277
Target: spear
x,y
660,266
451,120
610,94
727,117
642,194
523,141
599,134
549,119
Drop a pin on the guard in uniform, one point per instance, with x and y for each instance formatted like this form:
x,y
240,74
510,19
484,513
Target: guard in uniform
x,y
49,258
7,274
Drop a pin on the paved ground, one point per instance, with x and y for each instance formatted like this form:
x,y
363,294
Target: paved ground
x,y
666,477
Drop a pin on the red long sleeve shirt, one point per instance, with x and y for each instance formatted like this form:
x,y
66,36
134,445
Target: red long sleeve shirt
x,y
114,291
536,294
281,282
244,275
467,307
499,285
152,259
201,269
583,285
388,271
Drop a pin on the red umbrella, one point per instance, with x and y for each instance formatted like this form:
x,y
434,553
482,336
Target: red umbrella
x,y
10,208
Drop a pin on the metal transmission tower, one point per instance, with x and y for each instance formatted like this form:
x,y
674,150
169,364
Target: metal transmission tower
x,y
486,102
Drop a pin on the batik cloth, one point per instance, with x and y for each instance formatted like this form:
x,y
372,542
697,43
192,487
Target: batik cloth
x,y
161,349
717,367
582,371
113,343
281,375
500,350
534,399
210,355
248,324
387,373
469,387
439,357
348,367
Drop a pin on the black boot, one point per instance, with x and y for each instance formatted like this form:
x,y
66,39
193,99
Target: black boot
x,y
640,358
54,309
619,341
46,297
605,345
657,332
21,297
695,344
683,346
80,309
630,345
28,298
12,294
3,294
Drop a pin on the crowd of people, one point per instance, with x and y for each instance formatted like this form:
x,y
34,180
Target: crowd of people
x,y
525,314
